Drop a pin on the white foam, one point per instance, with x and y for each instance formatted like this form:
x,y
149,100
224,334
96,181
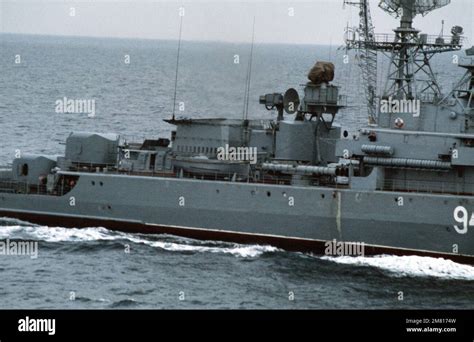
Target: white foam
x,y
55,234
250,251
400,266
58,234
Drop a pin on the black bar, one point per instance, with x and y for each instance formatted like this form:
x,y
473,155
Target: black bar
x,y
356,324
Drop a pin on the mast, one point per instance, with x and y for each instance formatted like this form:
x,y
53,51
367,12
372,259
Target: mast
x,y
367,58
410,75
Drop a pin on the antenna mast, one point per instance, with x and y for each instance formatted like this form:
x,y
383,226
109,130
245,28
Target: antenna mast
x,y
249,74
367,57
410,75
177,66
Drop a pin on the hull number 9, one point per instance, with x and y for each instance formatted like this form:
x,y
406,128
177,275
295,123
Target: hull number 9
x,y
461,215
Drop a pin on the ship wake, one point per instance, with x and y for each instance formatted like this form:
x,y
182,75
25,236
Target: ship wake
x,y
410,266
14,229
396,266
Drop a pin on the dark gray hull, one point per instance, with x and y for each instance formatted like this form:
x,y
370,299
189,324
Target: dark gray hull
x,y
256,213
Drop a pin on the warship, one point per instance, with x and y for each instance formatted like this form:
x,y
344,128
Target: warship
x,y
403,184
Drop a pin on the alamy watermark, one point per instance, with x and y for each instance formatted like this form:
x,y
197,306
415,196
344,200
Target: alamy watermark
x,y
397,106
28,324
21,248
75,106
241,153
340,248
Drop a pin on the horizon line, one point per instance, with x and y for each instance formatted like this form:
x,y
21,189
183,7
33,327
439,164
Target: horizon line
x,y
168,40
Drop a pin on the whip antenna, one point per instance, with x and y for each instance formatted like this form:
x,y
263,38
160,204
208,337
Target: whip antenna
x,y
177,66
249,73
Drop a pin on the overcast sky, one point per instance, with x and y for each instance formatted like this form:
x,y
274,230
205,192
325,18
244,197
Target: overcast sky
x,y
313,22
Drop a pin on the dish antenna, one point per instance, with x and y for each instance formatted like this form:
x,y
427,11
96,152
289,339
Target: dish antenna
x,y
290,102
408,9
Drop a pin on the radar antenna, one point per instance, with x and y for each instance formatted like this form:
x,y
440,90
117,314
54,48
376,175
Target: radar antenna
x,y
410,75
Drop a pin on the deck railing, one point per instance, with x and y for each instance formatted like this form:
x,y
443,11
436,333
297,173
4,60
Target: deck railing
x,y
432,187
64,185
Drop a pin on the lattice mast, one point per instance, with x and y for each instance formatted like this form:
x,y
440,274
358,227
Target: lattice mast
x,y
366,57
410,75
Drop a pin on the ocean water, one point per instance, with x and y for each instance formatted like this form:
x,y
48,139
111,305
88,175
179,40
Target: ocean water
x,y
98,268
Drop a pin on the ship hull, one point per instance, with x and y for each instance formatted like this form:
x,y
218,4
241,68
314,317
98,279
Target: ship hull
x,y
289,217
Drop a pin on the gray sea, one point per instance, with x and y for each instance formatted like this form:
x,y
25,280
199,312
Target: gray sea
x,y
98,268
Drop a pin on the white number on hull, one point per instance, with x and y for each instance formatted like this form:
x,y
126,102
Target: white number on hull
x,y
462,216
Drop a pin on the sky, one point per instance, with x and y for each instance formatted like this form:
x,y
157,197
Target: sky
x,y
312,22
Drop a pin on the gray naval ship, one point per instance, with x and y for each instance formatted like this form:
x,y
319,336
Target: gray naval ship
x,y
402,185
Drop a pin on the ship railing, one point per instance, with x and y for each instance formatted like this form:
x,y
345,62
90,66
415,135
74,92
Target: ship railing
x,y
123,170
343,100
12,186
428,98
422,39
250,177
137,139
31,188
467,61
388,42
7,186
434,187
62,188
93,167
